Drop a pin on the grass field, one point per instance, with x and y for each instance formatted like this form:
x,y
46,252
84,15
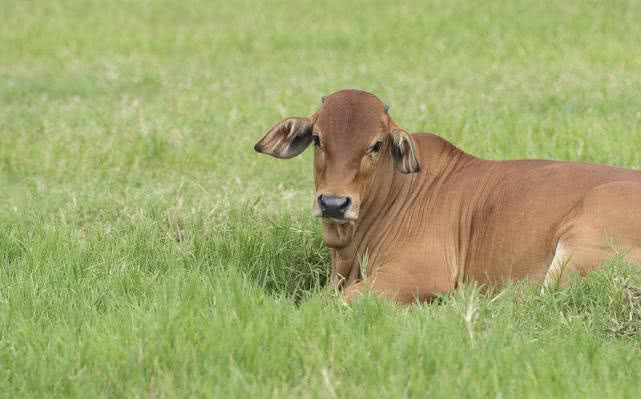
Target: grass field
x,y
147,251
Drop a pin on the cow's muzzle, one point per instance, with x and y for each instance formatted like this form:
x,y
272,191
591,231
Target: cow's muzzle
x,y
334,207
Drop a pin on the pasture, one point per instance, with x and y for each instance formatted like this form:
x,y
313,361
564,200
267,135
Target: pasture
x,y
146,251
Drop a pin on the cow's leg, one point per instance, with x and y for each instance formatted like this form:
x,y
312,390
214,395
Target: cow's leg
x,y
606,222
403,283
401,295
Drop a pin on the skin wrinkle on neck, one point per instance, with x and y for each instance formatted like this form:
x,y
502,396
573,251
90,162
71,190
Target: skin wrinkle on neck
x,y
471,227
396,198
359,243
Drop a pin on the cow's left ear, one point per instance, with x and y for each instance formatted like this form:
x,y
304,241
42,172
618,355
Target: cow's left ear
x,y
404,151
287,138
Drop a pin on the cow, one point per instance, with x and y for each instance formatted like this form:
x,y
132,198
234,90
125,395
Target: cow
x,y
411,216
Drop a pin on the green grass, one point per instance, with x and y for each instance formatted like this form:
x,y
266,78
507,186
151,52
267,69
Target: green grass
x,y
147,251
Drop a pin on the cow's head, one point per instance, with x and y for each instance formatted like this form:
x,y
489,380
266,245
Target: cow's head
x,y
356,147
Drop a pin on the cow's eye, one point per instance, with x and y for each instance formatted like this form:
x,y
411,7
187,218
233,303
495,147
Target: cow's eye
x,y
316,140
376,147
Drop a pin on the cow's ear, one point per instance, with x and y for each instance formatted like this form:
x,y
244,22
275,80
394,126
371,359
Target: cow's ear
x,y
404,151
287,138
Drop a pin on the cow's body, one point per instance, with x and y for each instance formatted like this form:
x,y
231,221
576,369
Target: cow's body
x,y
416,232
463,218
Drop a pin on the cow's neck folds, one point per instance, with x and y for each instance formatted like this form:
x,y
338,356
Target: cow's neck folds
x,y
382,202
389,203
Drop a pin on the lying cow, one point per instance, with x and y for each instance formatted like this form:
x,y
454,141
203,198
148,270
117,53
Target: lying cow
x,y
427,216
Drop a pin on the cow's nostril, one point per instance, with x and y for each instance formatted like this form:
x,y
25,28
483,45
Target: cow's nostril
x,y
321,202
347,201
334,206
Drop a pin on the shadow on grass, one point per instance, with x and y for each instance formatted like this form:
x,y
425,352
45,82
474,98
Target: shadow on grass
x,y
282,254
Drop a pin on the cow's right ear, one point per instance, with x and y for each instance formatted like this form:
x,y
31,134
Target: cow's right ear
x,y
287,138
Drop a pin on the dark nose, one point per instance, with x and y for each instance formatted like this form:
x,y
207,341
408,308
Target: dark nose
x,y
333,206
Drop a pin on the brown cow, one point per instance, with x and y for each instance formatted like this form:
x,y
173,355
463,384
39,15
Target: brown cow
x,y
427,216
